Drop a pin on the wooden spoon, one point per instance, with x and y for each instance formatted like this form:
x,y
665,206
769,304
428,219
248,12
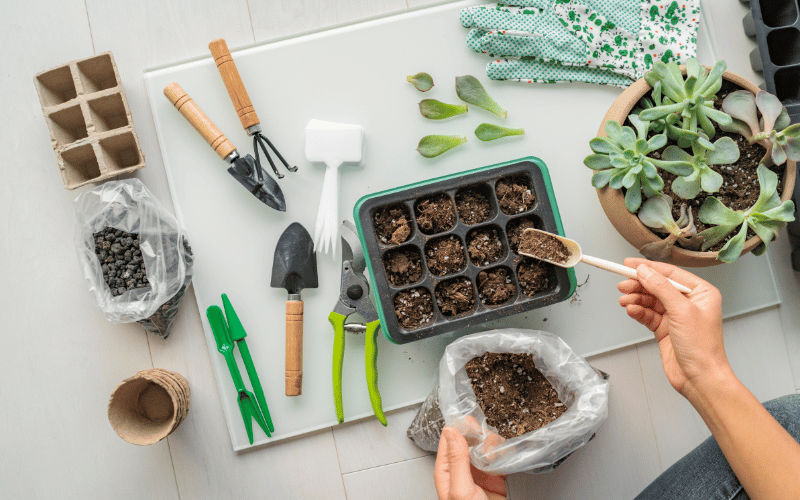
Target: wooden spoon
x,y
576,255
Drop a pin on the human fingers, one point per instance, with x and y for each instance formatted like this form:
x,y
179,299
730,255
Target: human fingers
x,y
657,284
668,270
441,469
460,483
489,483
630,286
644,300
647,317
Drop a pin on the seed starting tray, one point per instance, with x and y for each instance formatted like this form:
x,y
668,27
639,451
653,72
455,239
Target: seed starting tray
x,y
544,213
89,120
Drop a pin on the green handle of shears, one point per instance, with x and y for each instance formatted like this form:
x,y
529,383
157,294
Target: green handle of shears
x,y
371,364
337,320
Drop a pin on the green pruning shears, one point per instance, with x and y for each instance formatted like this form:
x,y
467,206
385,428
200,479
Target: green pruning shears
x,y
354,297
225,333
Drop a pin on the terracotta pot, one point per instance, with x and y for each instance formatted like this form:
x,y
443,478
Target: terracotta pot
x,y
628,224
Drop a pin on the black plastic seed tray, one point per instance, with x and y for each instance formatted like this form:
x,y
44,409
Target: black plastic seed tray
x,y
544,215
776,26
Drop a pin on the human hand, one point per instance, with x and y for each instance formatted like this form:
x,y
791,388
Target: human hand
x,y
454,476
688,328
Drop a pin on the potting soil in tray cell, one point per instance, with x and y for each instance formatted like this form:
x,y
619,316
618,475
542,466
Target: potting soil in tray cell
x,y
442,254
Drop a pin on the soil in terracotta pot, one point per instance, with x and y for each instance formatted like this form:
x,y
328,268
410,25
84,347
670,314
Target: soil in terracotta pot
x,y
740,187
515,397
445,255
414,308
532,277
473,206
455,296
515,228
484,246
403,266
495,286
543,246
515,195
435,214
392,224
121,260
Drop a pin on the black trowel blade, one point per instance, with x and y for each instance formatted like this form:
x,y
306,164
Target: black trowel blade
x,y
243,170
295,264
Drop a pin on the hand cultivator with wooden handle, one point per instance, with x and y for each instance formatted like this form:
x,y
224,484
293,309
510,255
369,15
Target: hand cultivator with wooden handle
x,y
244,108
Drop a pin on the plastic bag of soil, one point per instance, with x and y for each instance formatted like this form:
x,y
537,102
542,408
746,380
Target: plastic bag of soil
x,y
580,388
135,258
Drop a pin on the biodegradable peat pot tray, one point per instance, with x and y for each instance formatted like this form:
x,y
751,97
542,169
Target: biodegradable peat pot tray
x,y
628,224
89,120
435,270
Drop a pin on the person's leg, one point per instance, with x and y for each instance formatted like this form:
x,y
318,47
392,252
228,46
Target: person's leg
x,y
704,472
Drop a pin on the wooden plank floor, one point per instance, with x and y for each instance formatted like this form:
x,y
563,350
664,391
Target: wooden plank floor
x,y
62,359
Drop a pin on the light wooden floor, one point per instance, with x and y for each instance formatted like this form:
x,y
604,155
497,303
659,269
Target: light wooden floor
x,y
61,359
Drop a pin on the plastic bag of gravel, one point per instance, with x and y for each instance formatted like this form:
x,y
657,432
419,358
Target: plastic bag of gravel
x,y
135,258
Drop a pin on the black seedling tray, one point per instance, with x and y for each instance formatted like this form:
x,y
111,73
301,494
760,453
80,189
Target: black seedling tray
x,y
544,213
776,27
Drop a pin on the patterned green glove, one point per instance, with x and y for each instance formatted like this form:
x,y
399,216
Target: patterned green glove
x,y
600,41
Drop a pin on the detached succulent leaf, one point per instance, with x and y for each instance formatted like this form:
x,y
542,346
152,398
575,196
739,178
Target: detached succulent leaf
x,y
490,132
437,110
470,90
421,81
434,145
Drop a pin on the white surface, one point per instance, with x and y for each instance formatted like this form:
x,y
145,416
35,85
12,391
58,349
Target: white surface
x,y
59,345
233,236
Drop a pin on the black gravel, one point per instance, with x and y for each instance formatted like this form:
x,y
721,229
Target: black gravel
x,y
120,260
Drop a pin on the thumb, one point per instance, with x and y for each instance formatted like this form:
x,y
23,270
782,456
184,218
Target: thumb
x,y
657,285
456,456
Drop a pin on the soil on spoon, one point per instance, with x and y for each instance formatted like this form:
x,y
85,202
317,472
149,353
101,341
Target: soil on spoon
x,y
473,206
495,286
532,277
413,308
514,231
514,194
484,246
515,397
435,214
543,246
455,296
392,224
403,266
445,255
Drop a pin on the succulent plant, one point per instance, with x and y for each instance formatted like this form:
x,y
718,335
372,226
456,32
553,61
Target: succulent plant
x,y
621,161
470,90
669,123
765,218
434,145
771,131
656,213
723,152
490,132
692,99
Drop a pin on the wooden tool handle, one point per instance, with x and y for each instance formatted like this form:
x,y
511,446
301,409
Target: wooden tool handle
x,y
233,82
202,123
294,347
626,271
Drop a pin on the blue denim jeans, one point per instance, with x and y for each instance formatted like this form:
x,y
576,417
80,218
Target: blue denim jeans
x,y
704,474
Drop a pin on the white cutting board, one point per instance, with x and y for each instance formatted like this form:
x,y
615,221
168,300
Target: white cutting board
x,y
356,74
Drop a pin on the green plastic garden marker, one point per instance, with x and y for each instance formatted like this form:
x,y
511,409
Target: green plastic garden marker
x,y
237,335
246,399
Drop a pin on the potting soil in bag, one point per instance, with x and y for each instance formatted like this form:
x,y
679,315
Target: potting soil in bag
x,y
580,388
135,258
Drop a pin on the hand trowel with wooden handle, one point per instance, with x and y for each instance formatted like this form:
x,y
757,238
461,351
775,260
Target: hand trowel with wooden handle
x,y
294,268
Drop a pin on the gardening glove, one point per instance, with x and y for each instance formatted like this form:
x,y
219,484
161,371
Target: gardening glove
x,y
599,41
